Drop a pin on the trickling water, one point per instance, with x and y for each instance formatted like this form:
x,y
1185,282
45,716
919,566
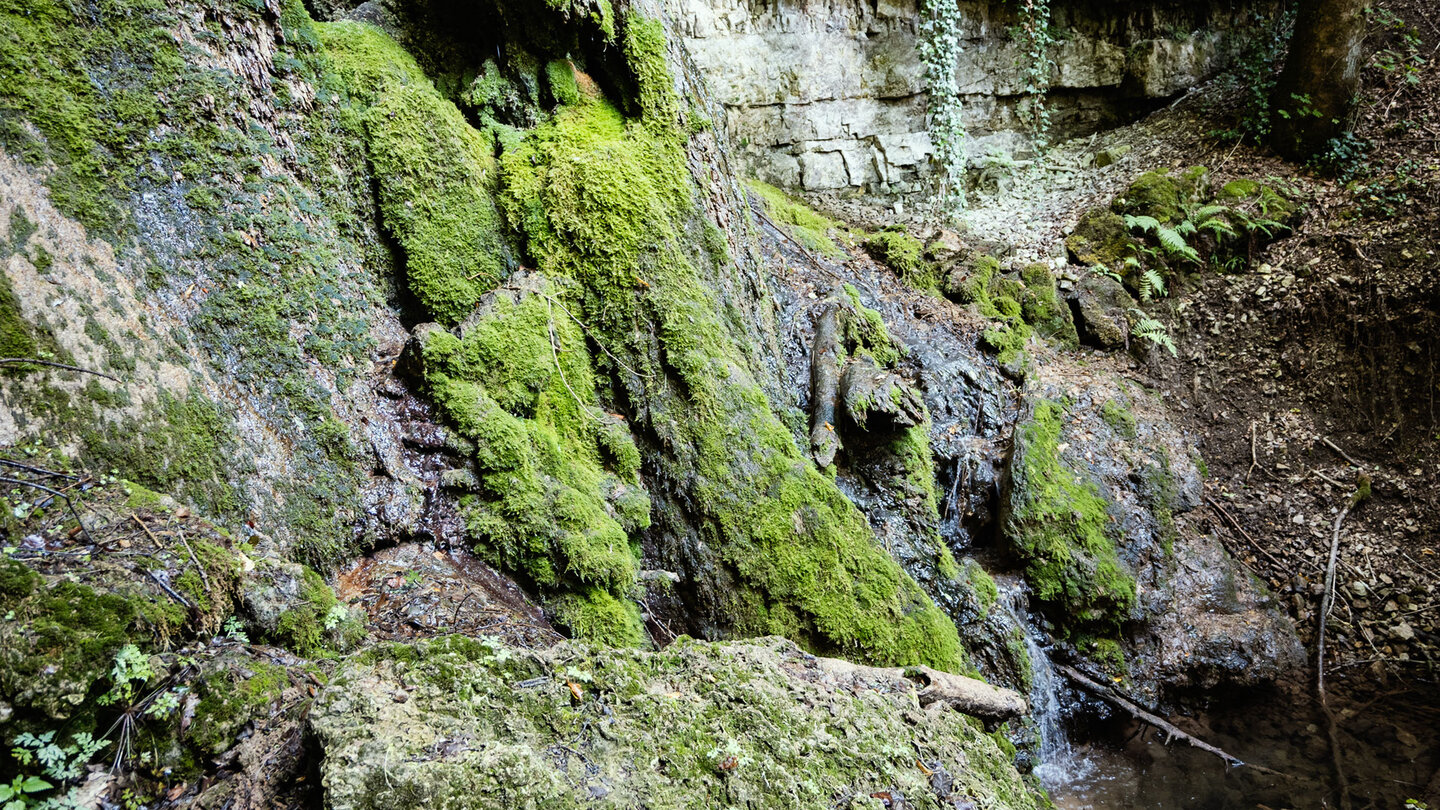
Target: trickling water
x,y
1060,765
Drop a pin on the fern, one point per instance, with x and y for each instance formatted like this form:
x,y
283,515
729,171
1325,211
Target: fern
x,y
1207,213
1154,332
1152,283
1175,244
1146,224
1219,227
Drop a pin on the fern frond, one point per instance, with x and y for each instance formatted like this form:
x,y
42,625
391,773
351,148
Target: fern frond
x,y
1219,227
1207,213
1146,224
1156,281
1176,245
1185,228
1154,332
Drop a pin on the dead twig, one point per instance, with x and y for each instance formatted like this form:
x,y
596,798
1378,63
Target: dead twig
x,y
164,586
1342,453
38,470
57,493
148,533
13,360
204,578
1235,524
1170,729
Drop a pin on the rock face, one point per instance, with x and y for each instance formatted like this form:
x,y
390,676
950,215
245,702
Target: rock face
x,y
459,723
830,95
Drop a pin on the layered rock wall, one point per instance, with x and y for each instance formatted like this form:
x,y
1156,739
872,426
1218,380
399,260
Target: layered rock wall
x,y
826,95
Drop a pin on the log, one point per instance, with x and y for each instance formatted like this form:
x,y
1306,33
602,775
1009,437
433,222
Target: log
x,y
963,694
826,357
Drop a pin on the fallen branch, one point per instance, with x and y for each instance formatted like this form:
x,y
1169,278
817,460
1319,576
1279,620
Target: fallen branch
x,y
13,360
966,695
1172,732
57,493
38,470
1342,453
826,356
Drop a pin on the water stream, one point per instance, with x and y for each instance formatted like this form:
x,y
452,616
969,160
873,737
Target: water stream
x,y
1065,770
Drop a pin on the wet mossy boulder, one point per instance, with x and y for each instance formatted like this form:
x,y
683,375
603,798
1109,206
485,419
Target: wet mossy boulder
x,y
904,254
60,637
1056,520
458,723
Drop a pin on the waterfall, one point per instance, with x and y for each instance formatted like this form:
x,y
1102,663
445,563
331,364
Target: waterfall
x,y
1060,766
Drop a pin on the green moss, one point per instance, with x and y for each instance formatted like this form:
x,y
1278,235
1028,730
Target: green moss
x,y
803,224
560,492
724,725
605,202
904,254
60,639
186,447
983,585
560,80
866,332
435,173
1239,189
1100,238
232,698
1162,494
309,626
599,616
21,338
1153,194
644,47
1106,652
1058,523
1042,308
1119,417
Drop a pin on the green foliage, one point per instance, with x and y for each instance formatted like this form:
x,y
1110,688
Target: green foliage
x,y
803,224
130,665
1036,38
58,766
560,79
939,46
1152,331
1253,75
1058,523
316,621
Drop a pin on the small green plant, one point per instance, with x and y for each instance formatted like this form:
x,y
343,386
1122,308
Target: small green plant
x,y
339,614
58,766
234,629
1153,331
130,666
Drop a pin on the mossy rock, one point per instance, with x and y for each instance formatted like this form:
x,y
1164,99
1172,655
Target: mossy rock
x,y
1100,238
752,724
905,255
61,637
1057,522
802,223
1043,308
1153,194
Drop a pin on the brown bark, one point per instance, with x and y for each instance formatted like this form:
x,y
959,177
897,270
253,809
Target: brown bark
x,y
1315,97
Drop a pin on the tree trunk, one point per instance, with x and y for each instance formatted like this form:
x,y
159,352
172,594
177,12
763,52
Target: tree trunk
x,y
1315,97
